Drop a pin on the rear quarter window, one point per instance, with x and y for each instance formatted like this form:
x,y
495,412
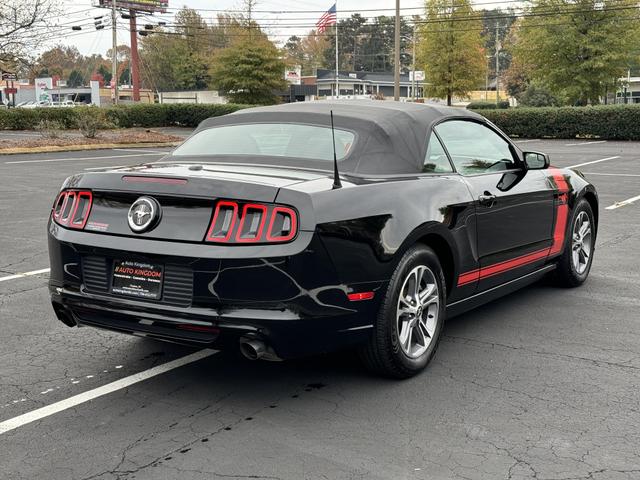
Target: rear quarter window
x,y
269,139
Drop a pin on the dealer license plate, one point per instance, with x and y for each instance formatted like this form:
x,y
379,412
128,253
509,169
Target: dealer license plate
x,y
137,279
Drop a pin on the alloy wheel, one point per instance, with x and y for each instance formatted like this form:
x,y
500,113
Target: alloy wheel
x,y
417,311
581,245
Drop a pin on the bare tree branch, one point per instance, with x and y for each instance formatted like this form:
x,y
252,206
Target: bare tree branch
x,y
23,26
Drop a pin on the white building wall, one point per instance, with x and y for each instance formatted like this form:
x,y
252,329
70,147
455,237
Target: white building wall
x,y
202,96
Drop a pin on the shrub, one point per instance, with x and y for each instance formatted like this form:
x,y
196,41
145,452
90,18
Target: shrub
x,y
487,105
28,119
124,116
167,115
612,122
49,128
535,96
91,119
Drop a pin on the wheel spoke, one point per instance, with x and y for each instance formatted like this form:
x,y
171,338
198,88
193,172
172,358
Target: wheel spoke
x,y
576,259
416,285
427,293
424,329
405,333
407,342
585,254
585,230
432,300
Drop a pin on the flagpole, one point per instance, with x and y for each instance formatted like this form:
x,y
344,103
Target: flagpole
x,y
337,64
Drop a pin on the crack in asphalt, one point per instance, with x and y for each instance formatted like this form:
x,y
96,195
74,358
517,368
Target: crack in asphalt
x,y
593,361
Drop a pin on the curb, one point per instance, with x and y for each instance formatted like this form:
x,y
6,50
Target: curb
x,y
81,148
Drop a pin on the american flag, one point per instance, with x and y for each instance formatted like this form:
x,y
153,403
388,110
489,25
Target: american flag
x,y
328,19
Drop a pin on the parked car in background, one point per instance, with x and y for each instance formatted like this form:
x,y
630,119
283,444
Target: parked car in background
x,y
39,104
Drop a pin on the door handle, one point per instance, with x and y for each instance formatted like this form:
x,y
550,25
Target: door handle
x,y
487,199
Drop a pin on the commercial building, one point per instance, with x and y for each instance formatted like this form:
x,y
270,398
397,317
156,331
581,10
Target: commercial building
x,y
366,85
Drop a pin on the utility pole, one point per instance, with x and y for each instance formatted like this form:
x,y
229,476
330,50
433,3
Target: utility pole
x,y
497,63
135,60
413,79
396,88
114,61
337,58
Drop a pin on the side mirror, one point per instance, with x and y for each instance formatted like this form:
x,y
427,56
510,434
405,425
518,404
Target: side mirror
x,y
536,160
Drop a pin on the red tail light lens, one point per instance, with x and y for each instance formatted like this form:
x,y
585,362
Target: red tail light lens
x,y
224,219
72,208
252,223
244,223
283,225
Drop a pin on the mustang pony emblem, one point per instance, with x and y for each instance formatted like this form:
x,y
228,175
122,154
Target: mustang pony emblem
x,y
143,214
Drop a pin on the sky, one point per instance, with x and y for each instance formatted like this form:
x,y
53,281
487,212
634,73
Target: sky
x,y
278,25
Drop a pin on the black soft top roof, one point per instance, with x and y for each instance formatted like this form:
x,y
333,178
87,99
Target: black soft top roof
x,y
391,137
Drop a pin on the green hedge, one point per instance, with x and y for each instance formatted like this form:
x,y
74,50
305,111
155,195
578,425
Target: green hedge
x,y
123,116
611,122
28,119
487,105
166,115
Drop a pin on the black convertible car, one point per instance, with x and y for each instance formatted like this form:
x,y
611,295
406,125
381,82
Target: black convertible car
x,y
245,237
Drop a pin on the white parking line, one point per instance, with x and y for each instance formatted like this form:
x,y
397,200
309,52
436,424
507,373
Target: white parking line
x,y
584,143
72,159
137,150
87,396
19,134
594,161
628,201
613,174
527,141
26,274
102,168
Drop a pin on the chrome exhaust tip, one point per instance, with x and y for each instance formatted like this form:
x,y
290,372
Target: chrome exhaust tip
x,y
254,349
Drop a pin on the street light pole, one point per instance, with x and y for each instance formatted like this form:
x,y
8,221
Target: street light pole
x,y
396,88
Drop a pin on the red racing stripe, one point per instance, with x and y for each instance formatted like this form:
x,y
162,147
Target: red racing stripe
x,y
501,267
559,232
562,211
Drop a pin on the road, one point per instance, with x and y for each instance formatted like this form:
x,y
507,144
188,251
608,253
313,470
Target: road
x,y
541,384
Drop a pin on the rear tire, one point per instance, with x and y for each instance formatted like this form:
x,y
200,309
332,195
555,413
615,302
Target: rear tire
x,y
411,317
575,263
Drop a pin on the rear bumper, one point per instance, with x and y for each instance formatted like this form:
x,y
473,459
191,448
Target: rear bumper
x,y
295,303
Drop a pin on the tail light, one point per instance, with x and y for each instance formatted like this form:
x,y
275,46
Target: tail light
x,y
71,208
248,223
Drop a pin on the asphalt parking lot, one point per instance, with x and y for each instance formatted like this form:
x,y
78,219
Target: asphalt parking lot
x,y
542,384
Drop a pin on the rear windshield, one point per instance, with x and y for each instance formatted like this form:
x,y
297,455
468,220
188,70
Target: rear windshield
x,y
269,139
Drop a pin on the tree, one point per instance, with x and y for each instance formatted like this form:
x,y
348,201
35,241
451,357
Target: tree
x,y
76,79
582,49
535,96
517,77
249,71
123,51
503,19
375,52
105,72
23,24
308,52
367,45
180,59
59,60
453,56
349,29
